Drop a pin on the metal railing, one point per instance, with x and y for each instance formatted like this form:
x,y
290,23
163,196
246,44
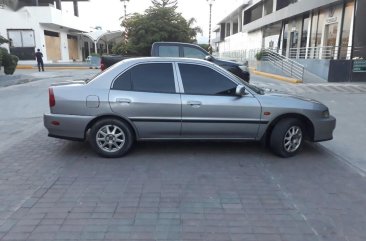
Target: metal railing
x,y
322,52
287,65
327,52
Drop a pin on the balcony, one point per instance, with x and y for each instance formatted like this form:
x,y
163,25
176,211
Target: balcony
x,y
53,17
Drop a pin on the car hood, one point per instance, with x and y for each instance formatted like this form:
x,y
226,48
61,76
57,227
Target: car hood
x,y
289,102
289,96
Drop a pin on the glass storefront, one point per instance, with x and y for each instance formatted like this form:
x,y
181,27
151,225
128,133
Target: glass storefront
x,y
284,39
304,36
345,50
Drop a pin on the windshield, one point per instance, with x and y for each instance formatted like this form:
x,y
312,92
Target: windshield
x,y
256,89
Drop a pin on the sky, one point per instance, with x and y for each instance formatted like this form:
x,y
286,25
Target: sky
x,y
106,13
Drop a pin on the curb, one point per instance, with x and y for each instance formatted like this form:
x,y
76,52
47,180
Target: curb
x,y
25,67
277,77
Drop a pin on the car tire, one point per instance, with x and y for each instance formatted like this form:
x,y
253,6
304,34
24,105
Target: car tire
x,y
287,137
111,138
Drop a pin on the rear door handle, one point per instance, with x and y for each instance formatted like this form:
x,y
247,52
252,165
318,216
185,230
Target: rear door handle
x,y
123,101
195,104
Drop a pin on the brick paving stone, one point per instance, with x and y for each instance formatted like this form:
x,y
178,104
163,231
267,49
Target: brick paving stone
x,y
58,190
16,236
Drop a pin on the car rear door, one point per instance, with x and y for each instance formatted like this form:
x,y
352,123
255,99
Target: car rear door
x,y
210,107
147,95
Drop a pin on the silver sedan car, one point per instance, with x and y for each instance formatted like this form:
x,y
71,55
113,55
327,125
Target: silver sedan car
x,y
180,99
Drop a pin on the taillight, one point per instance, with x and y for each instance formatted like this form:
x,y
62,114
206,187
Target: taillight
x,y
51,97
102,66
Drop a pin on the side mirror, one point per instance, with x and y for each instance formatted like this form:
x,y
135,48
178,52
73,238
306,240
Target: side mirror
x,y
209,58
240,90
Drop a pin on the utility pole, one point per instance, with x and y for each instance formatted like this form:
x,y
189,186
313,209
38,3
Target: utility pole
x,y
125,6
125,33
210,2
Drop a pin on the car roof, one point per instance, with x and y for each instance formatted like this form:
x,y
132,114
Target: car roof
x,y
140,60
176,43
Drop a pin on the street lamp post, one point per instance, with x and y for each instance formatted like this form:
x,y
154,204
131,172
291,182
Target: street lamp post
x,y
210,2
125,32
125,6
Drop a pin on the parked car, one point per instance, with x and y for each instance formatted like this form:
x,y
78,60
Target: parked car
x,y
183,50
179,99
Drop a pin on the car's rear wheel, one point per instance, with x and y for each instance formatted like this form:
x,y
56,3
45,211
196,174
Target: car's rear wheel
x,y
287,137
111,138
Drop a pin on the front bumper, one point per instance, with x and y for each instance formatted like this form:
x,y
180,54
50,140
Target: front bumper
x,y
323,129
70,127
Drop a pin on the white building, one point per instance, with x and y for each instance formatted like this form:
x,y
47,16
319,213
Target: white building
x,y
42,24
314,33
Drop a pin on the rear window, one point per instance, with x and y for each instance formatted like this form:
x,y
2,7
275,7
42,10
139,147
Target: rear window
x,y
168,51
155,77
190,52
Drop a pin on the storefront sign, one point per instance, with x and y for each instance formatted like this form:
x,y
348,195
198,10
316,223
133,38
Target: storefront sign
x,y
359,65
331,20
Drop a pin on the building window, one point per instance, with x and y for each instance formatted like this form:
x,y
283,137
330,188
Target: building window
x,y
284,39
235,28
271,35
314,29
51,34
228,29
21,38
345,50
22,43
304,36
222,32
268,7
253,13
319,33
284,3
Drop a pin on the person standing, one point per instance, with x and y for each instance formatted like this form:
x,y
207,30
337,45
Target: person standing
x,y
39,57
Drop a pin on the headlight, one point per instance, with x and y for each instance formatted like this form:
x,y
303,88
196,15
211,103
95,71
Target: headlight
x,y
325,114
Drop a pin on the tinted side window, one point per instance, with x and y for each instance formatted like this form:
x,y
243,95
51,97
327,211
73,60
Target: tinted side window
x,y
153,78
193,53
168,51
205,81
123,82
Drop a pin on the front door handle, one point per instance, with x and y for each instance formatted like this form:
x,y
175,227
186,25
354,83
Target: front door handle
x,y
123,101
194,104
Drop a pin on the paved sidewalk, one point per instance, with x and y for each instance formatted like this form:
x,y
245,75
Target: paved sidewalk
x,y
22,76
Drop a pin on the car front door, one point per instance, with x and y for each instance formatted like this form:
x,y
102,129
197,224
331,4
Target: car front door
x,y
210,107
146,94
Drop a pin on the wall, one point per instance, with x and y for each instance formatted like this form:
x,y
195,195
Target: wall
x,y
318,67
242,41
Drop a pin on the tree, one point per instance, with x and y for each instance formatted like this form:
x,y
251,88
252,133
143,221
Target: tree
x,y
3,40
161,22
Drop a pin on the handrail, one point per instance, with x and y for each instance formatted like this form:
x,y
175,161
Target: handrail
x,y
287,65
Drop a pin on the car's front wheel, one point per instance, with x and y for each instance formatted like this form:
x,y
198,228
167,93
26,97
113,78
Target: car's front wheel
x,y
111,138
287,137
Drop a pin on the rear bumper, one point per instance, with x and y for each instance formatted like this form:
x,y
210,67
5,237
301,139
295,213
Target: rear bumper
x,y
71,127
323,129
